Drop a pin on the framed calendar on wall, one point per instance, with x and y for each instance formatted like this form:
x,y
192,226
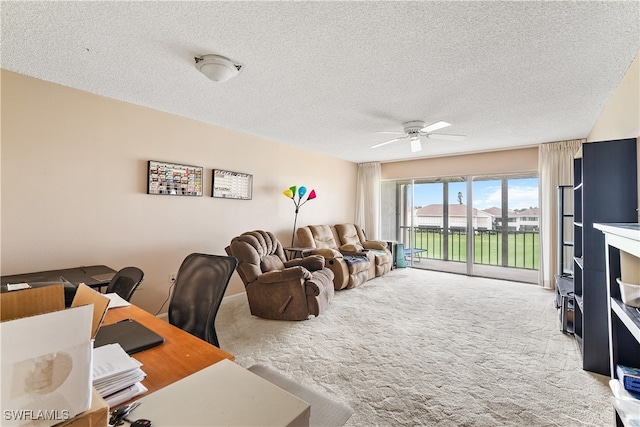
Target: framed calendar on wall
x,y
232,185
174,179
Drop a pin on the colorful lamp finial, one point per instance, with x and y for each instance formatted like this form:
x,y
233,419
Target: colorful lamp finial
x,y
291,194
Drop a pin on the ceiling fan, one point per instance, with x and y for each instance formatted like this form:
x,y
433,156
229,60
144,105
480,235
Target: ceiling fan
x,y
415,129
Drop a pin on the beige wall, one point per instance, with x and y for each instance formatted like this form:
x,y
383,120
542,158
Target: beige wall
x,y
620,118
497,162
74,189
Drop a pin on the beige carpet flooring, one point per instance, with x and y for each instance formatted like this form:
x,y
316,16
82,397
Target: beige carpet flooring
x,y
423,348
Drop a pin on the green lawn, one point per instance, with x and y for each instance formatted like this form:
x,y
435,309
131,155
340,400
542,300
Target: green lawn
x,y
523,248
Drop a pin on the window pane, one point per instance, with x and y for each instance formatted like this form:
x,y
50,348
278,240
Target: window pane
x,y
506,221
428,220
524,223
457,220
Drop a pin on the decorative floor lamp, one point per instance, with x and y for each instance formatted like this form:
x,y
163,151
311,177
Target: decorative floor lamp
x,y
291,193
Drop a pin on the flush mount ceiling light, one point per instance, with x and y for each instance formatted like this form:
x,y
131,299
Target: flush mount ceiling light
x,y
216,67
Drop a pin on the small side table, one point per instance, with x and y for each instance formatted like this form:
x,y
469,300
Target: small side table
x,y
392,245
296,252
565,302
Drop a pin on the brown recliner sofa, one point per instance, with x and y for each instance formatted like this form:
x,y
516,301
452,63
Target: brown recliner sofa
x,y
352,238
276,288
349,269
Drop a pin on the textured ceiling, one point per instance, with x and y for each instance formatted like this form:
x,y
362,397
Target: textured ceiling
x,y
326,76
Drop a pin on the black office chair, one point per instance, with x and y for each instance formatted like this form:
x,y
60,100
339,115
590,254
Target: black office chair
x,y
125,282
200,285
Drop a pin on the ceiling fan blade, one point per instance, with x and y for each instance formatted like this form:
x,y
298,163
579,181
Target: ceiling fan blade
x,y
446,137
416,145
390,133
435,126
388,142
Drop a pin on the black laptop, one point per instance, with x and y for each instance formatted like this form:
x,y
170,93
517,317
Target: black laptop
x,y
131,335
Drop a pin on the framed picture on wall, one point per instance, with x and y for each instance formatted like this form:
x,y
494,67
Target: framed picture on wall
x,y
232,185
174,179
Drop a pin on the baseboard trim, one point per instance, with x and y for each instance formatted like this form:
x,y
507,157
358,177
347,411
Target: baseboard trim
x,y
234,296
165,316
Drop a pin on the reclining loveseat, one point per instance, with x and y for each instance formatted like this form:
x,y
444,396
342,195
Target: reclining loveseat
x,y
352,258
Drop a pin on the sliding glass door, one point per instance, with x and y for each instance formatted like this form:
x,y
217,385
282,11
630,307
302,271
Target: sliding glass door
x,y
470,225
432,221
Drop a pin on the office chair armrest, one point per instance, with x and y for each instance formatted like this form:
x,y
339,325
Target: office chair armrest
x,y
311,262
291,273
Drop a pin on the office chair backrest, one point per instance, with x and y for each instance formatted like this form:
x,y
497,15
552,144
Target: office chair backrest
x,y
200,285
125,282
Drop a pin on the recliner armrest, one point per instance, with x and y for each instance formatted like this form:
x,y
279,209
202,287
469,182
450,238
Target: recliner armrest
x,y
327,253
291,273
311,262
350,248
375,244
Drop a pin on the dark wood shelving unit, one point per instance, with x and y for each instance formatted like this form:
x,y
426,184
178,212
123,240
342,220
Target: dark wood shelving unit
x,y
605,191
623,320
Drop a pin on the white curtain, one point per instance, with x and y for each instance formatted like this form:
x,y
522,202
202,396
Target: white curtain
x,y
555,167
368,199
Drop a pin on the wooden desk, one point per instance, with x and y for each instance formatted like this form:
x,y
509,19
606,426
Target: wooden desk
x,y
89,275
221,394
181,354
94,276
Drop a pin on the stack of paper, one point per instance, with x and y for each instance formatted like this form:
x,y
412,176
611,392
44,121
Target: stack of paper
x,y
116,300
116,375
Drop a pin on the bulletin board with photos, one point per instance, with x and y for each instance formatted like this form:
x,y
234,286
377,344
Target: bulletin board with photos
x,y
174,179
232,185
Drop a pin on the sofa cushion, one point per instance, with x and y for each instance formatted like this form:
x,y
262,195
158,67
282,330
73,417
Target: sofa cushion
x,y
323,236
348,234
382,257
357,263
270,263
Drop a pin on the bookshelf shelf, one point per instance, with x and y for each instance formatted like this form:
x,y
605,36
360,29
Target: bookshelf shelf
x,y
623,320
629,316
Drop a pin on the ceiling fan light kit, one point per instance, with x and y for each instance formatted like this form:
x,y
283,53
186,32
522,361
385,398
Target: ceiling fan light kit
x,y
416,145
415,129
216,67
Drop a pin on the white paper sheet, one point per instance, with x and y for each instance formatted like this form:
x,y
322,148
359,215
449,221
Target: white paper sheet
x,y
114,370
124,395
111,360
46,366
116,300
